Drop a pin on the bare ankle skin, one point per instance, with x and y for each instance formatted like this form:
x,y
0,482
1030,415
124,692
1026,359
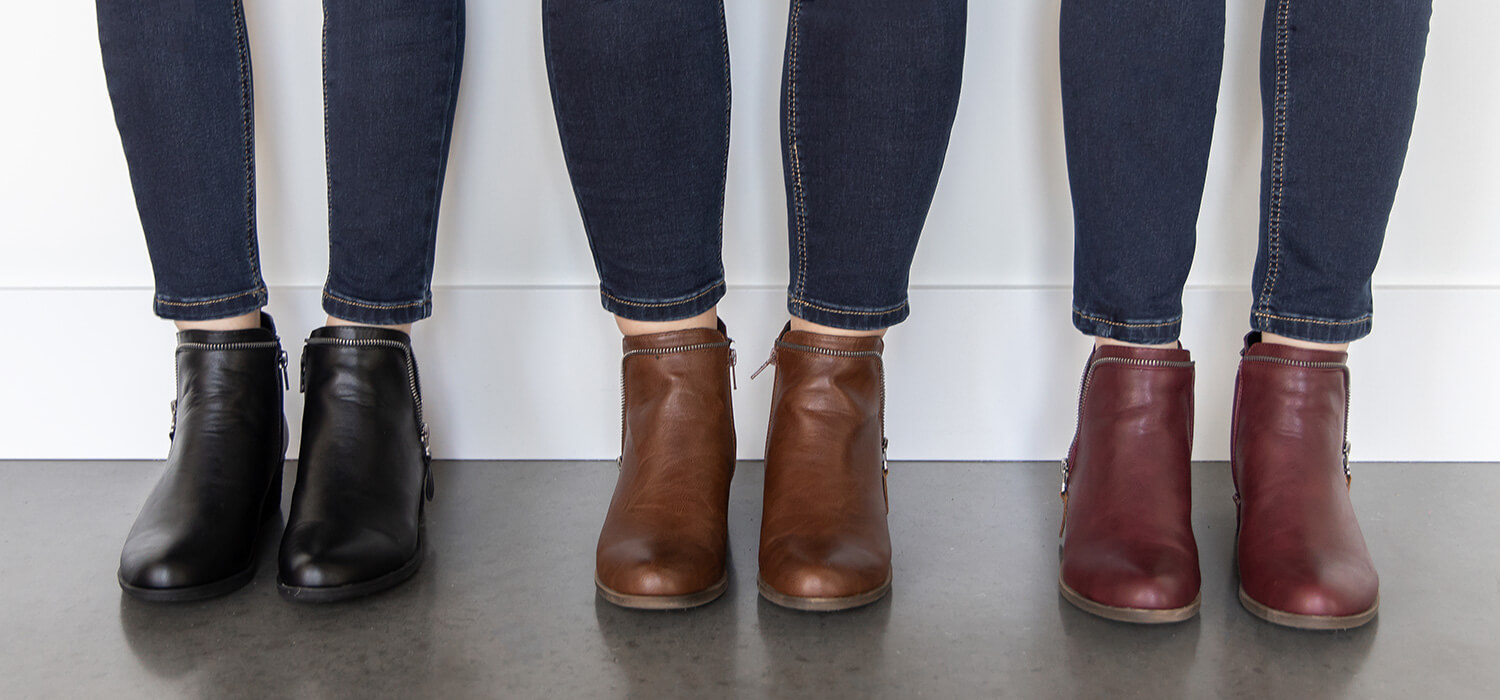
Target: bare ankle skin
x,y
404,327
707,319
1305,344
802,325
233,323
1101,342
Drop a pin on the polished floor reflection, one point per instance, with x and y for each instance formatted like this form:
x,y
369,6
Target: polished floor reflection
x,y
505,606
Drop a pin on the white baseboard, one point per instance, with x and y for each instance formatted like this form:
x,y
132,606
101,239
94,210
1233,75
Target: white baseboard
x,y
531,373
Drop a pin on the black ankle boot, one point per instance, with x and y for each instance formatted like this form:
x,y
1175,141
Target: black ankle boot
x,y
355,526
196,536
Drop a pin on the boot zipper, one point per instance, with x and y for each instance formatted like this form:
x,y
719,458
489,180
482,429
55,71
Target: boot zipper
x,y
1083,390
252,345
1306,364
413,383
733,358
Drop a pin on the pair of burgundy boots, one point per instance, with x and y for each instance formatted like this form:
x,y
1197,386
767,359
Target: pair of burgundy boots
x,y
824,542
1128,551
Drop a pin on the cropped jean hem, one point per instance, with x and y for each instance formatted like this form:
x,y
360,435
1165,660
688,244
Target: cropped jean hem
x,y
854,319
377,313
211,308
1144,332
676,309
1314,330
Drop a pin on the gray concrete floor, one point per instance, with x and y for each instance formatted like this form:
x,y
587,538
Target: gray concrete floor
x,y
505,604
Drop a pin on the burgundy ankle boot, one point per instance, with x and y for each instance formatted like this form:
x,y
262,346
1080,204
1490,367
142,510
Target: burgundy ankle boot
x,y
1302,559
1128,551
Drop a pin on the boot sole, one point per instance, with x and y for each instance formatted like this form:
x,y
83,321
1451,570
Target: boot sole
x,y
822,604
233,582
1139,616
1306,622
663,602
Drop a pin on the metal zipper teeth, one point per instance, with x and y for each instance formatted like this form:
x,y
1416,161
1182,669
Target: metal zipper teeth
x,y
663,351
1083,390
413,382
281,362
1308,364
884,442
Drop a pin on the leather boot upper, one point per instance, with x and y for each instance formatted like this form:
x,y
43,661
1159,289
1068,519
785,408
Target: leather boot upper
x,y
1300,548
1127,530
666,532
200,524
363,464
823,530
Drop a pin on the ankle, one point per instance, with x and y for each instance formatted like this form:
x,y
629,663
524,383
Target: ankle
x,y
234,323
799,324
708,319
1100,341
1304,344
403,327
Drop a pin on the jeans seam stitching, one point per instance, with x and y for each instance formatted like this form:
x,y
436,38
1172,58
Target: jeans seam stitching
x,y
728,114
799,199
327,147
247,123
1108,322
1293,319
679,302
364,305
1278,156
215,300
882,312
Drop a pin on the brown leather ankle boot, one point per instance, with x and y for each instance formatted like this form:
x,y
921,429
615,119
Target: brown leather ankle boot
x,y
1302,559
666,534
1128,552
824,544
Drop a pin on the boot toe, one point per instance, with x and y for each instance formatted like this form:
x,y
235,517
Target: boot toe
x,y
1320,598
814,571
329,557
162,574
1162,581
639,569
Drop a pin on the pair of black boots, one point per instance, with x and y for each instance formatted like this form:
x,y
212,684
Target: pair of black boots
x,y
355,525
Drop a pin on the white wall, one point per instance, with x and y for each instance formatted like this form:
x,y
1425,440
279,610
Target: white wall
x,y
519,360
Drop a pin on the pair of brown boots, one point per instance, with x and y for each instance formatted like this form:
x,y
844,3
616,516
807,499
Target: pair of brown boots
x,y
824,543
1128,551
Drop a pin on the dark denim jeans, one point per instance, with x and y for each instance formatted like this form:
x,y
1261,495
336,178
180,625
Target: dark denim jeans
x,y
641,93
179,77
1140,79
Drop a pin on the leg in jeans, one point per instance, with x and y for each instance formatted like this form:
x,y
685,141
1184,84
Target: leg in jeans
x,y
1140,80
869,94
1339,93
390,81
1339,85
391,72
179,79
1339,88
641,94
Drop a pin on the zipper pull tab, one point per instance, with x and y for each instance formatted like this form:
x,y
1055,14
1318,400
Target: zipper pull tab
x,y
281,361
172,432
303,389
769,361
1348,474
734,358
428,483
